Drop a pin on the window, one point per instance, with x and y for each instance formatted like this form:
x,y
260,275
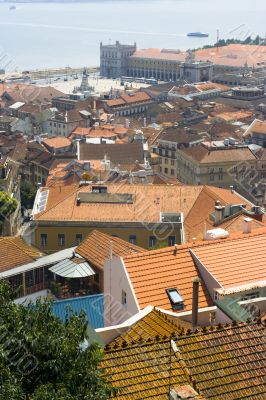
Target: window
x,y
132,239
124,297
171,240
172,171
172,162
175,298
61,239
250,296
166,170
99,189
152,241
78,238
166,160
43,239
29,278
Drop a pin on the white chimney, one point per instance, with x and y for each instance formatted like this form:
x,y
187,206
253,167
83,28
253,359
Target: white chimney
x,y
247,225
219,209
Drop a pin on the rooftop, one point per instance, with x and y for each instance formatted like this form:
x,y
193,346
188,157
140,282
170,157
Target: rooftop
x,y
126,99
203,155
237,264
57,142
223,362
148,201
124,153
97,246
154,271
235,55
15,252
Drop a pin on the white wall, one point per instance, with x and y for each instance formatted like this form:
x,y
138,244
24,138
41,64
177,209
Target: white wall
x,y
116,279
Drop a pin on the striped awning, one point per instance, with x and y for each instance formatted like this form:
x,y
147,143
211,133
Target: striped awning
x,y
72,268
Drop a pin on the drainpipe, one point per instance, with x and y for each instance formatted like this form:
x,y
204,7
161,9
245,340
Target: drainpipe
x,y
195,302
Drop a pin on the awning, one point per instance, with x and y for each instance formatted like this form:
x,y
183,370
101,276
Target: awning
x,y
72,268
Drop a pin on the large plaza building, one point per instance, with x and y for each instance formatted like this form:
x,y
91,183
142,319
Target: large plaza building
x,y
165,64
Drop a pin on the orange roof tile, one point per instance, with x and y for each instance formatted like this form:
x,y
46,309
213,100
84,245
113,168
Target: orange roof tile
x,y
15,252
62,203
125,99
153,272
237,262
236,55
199,214
82,131
201,154
97,246
57,142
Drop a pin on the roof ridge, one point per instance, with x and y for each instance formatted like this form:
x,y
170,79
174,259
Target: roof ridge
x,y
209,329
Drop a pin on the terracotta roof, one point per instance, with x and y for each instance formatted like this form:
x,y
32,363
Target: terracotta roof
x,y
234,115
235,224
14,252
62,203
97,246
237,262
101,133
204,156
199,214
57,142
179,135
155,271
125,153
153,324
236,55
221,363
81,131
30,93
141,371
257,127
125,99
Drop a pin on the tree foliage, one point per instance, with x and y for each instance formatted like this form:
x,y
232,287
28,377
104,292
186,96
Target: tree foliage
x,y
7,205
42,358
27,194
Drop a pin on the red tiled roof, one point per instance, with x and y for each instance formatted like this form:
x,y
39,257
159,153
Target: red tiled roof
x,y
15,252
97,246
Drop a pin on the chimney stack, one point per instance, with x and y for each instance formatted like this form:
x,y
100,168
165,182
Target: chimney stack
x,y
219,210
195,302
247,225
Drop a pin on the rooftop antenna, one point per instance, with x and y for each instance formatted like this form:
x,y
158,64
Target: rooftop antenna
x,y
218,35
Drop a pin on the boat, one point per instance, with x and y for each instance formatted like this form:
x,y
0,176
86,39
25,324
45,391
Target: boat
x,y
12,8
198,34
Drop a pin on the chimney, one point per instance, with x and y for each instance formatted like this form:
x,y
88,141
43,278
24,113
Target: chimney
x,y
231,188
218,212
247,225
78,201
195,302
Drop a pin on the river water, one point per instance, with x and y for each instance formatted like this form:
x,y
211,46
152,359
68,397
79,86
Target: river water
x,y
55,35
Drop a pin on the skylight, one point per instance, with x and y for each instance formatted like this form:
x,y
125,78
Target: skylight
x,y
175,298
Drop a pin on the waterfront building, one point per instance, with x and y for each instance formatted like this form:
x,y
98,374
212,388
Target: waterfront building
x,y
114,59
167,64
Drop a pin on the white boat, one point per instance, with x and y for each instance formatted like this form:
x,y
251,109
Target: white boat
x,y
198,34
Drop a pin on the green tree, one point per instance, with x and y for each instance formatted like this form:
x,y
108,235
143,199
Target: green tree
x,y
43,358
27,194
7,206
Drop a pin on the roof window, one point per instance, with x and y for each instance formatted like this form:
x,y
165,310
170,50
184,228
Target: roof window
x,y
176,299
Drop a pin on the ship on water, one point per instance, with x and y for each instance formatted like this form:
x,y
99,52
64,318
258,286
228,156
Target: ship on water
x,y
12,7
198,34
